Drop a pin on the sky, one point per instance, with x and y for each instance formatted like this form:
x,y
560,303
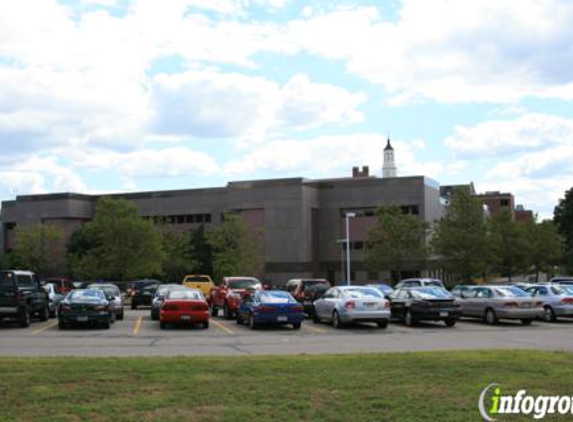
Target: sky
x,y
103,96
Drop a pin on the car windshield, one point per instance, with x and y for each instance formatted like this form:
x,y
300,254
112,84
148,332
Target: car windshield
x,y
382,287
431,293
244,283
108,290
185,294
276,297
6,279
362,293
510,292
197,279
86,296
163,290
145,284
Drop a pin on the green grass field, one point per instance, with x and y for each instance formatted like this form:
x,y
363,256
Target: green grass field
x,y
375,387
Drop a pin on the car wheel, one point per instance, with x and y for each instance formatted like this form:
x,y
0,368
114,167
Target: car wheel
x,y
162,325
44,314
526,321
239,320
61,324
206,324
133,306
214,310
252,323
450,322
154,316
53,313
106,324
409,319
549,314
297,325
336,323
24,318
382,323
491,317
315,317
120,316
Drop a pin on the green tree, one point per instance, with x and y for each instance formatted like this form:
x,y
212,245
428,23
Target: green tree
x,y
236,249
201,251
37,248
396,242
544,245
508,243
460,237
177,256
117,244
563,218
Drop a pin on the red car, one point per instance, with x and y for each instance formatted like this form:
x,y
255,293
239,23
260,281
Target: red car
x,y
229,294
186,306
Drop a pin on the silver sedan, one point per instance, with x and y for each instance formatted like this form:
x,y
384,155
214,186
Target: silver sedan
x,y
493,303
557,300
345,304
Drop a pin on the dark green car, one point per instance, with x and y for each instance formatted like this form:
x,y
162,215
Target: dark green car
x,y
84,307
22,296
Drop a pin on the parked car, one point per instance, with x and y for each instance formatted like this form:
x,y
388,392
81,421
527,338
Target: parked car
x,y
307,290
114,297
493,303
199,281
562,280
346,304
383,288
159,297
22,296
557,300
459,289
84,306
54,299
275,307
419,282
229,294
62,285
522,285
142,292
185,306
432,303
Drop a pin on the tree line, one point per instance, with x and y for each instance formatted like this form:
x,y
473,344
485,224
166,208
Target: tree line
x,y
468,244
120,245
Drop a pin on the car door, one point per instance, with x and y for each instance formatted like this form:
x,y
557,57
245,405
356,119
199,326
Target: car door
x,y
483,299
320,304
543,294
467,302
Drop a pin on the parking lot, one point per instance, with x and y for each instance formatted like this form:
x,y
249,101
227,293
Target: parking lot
x,y
138,335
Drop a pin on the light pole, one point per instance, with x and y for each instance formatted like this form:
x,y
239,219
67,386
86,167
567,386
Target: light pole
x,y
348,216
342,263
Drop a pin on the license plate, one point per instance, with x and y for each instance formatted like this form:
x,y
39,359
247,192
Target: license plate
x,y
185,318
444,314
370,305
282,318
527,305
82,319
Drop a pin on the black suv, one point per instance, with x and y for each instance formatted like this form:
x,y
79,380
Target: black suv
x,y
143,292
21,296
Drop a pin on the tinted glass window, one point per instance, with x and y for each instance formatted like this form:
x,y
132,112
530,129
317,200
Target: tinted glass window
x,y
435,283
6,279
145,284
86,296
244,284
275,297
362,293
430,293
542,291
510,292
185,294
197,279
25,280
483,293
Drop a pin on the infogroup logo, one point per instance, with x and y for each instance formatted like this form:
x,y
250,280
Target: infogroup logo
x,y
492,404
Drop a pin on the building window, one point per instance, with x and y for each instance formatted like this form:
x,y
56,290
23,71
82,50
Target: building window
x,y
180,219
504,202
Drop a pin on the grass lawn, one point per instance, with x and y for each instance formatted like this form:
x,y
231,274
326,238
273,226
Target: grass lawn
x,y
372,387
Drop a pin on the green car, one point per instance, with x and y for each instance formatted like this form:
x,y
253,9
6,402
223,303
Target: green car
x,y
84,307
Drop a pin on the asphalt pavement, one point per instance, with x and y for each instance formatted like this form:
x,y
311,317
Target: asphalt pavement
x,y
138,335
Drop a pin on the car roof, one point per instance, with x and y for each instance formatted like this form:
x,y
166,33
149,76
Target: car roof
x,y
240,278
91,286
19,272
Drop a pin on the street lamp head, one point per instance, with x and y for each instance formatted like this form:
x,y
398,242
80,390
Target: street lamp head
x,y
350,214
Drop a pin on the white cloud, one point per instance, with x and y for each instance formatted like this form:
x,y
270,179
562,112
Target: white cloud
x,y
211,104
330,156
451,51
529,132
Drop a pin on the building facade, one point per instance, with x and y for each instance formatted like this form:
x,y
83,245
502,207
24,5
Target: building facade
x,y
301,220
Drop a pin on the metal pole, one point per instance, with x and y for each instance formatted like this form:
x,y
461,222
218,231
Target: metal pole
x,y
348,249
